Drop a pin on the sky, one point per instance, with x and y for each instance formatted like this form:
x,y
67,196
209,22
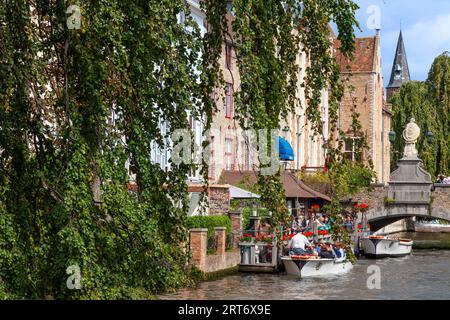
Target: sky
x,y
425,26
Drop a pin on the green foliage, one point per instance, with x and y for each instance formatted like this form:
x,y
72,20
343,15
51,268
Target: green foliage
x,y
389,201
316,177
64,196
413,101
248,212
429,103
209,222
349,177
346,178
248,185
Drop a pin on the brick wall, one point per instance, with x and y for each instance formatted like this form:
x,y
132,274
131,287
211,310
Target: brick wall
x,y
236,226
197,245
219,199
221,260
374,198
368,98
441,198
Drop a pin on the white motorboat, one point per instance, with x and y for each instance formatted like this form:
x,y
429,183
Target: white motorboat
x,y
312,267
382,247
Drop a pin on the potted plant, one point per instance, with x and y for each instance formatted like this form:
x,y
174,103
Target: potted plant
x,y
269,240
315,208
247,237
389,201
245,245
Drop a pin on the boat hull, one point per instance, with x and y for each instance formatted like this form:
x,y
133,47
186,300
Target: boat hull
x,y
384,247
315,267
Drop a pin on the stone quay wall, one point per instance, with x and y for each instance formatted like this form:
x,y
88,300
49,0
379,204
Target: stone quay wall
x,y
440,199
218,261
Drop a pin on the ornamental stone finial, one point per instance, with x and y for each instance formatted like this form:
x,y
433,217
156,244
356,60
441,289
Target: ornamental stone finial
x,y
411,134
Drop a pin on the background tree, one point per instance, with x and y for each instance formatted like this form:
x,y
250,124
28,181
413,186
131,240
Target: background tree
x,y
75,106
428,102
439,82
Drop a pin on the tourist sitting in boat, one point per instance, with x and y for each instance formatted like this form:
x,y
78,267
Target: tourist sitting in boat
x,y
326,251
317,247
339,252
299,245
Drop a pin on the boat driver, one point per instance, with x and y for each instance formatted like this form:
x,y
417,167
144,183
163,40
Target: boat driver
x,y
299,245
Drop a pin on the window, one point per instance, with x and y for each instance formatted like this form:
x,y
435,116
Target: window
x,y
228,55
212,165
160,154
312,152
248,152
228,154
298,132
244,159
350,146
228,100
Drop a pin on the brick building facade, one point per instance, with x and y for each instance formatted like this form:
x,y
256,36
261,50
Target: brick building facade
x,y
364,93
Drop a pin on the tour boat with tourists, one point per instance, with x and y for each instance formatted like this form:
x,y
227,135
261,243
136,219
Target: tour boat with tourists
x,y
378,246
308,260
313,266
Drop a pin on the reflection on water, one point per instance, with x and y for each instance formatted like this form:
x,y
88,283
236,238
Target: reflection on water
x,y
427,240
423,275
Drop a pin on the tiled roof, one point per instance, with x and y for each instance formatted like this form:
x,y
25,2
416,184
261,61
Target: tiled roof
x,y
364,55
294,188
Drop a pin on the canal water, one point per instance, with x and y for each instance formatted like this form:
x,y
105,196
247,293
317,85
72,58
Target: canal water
x,y
423,275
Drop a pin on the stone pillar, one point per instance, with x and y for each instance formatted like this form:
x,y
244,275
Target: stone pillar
x,y
410,224
220,240
236,225
315,230
198,244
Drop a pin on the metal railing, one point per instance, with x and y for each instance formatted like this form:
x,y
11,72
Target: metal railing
x,y
211,245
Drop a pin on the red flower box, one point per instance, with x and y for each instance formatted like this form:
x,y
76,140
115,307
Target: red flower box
x,y
361,207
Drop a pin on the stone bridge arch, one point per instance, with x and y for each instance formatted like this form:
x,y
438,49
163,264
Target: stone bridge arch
x,y
410,192
384,210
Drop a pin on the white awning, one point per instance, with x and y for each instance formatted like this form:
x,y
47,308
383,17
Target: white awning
x,y
238,193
